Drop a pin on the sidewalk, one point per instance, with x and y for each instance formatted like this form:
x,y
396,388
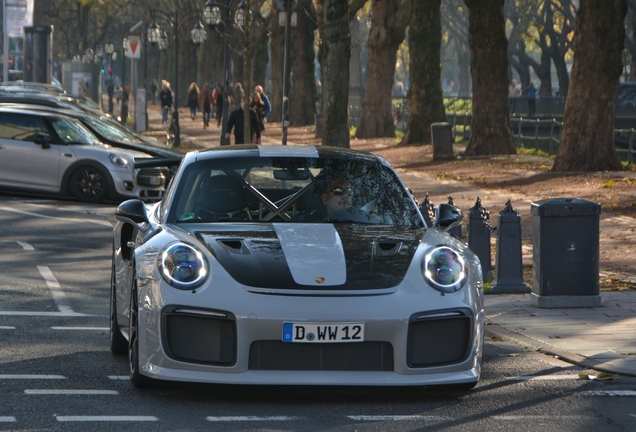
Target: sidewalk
x,y
601,338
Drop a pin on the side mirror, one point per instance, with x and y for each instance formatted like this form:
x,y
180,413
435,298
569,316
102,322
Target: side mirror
x,y
41,139
132,211
447,216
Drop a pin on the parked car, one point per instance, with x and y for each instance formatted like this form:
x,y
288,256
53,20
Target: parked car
x,y
294,265
52,153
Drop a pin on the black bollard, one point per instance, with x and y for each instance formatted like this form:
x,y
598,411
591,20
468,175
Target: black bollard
x,y
509,264
428,211
479,236
456,230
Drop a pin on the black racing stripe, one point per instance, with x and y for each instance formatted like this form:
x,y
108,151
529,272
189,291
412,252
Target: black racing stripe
x,y
376,257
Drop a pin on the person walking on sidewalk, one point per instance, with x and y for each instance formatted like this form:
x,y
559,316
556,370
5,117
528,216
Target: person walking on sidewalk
x,y
266,105
153,91
531,93
257,105
165,98
219,103
193,99
237,122
205,102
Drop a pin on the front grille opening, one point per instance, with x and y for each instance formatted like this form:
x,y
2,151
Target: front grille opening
x,y
284,356
200,339
438,342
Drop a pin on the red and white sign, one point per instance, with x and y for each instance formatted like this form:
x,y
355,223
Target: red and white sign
x,y
133,48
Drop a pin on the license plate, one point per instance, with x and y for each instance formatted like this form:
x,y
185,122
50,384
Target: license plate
x,y
323,333
155,181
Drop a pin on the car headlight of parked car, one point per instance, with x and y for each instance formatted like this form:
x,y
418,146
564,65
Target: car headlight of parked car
x,y
444,269
183,266
118,160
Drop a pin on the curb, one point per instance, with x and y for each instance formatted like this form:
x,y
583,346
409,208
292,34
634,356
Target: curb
x,y
495,330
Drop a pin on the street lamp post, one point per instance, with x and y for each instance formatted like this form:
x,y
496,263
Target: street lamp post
x,y
109,49
289,6
155,34
217,15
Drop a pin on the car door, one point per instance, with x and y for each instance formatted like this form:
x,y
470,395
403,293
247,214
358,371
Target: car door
x,y
29,156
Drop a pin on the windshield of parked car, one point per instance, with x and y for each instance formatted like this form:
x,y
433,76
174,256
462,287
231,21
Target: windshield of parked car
x,y
111,132
294,190
73,132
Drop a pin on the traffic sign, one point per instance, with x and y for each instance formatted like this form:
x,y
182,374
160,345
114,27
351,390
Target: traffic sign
x,y
10,61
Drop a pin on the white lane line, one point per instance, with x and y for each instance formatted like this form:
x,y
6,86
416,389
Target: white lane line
x,y
396,418
31,377
633,415
252,418
628,393
82,328
106,418
70,392
74,220
7,419
119,377
56,291
546,377
48,314
26,246
539,417
7,328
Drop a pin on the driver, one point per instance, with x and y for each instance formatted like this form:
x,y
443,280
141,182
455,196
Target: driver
x,y
337,195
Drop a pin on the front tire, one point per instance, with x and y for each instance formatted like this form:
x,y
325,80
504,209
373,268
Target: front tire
x,y
118,343
89,184
136,378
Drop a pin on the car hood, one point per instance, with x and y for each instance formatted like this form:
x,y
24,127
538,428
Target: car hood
x,y
319,256
154,151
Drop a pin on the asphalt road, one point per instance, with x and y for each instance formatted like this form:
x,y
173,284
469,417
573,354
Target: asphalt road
x,y
57,373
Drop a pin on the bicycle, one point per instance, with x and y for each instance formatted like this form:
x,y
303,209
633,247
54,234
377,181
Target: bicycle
x,y
172,132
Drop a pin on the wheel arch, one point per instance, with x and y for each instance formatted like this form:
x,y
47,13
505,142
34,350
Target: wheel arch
x,y
65,187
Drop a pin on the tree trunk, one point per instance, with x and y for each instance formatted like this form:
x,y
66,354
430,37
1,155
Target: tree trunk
x,y
302,94
337,52
425,98
587,142
277,44
490,132
385,37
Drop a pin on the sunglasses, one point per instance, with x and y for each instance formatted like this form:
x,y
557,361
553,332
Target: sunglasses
x,y
341,191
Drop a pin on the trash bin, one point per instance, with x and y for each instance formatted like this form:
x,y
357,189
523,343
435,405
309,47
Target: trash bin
x,y
565,253
320,125
442,138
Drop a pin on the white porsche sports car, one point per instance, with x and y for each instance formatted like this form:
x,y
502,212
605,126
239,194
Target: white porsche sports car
x,y
307,265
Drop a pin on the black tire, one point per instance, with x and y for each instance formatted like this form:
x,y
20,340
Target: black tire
x,y
118,343
136,378
89,184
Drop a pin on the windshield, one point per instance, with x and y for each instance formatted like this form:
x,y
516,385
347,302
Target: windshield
x,y
71,132
295,190
110,132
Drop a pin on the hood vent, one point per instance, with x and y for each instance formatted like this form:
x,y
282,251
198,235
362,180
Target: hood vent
x,y
234,246
384,248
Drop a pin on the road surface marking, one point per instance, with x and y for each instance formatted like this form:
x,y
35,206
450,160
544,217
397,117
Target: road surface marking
x,y
395,418
7,328
56,291
539,417
106,418
26,246
82,328
546,377
74,220
628,393
7,419
31,377
252,418
70,392
118,377
49,314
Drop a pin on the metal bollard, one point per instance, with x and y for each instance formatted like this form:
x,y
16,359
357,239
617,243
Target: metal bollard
x,y
428,211
457,230
479,236
509,265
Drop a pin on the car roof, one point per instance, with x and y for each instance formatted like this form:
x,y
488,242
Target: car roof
x,y
19,110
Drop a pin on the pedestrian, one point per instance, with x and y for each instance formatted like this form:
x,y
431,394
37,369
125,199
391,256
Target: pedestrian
x,y
124,103
165,99
238,95
514,91
257,105
153,91
205,102
214,92
193,99
531,94
110,89
266,104
219,103
236,121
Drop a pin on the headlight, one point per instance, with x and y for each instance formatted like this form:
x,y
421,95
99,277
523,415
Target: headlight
x,y
118,160
444,269
183,266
